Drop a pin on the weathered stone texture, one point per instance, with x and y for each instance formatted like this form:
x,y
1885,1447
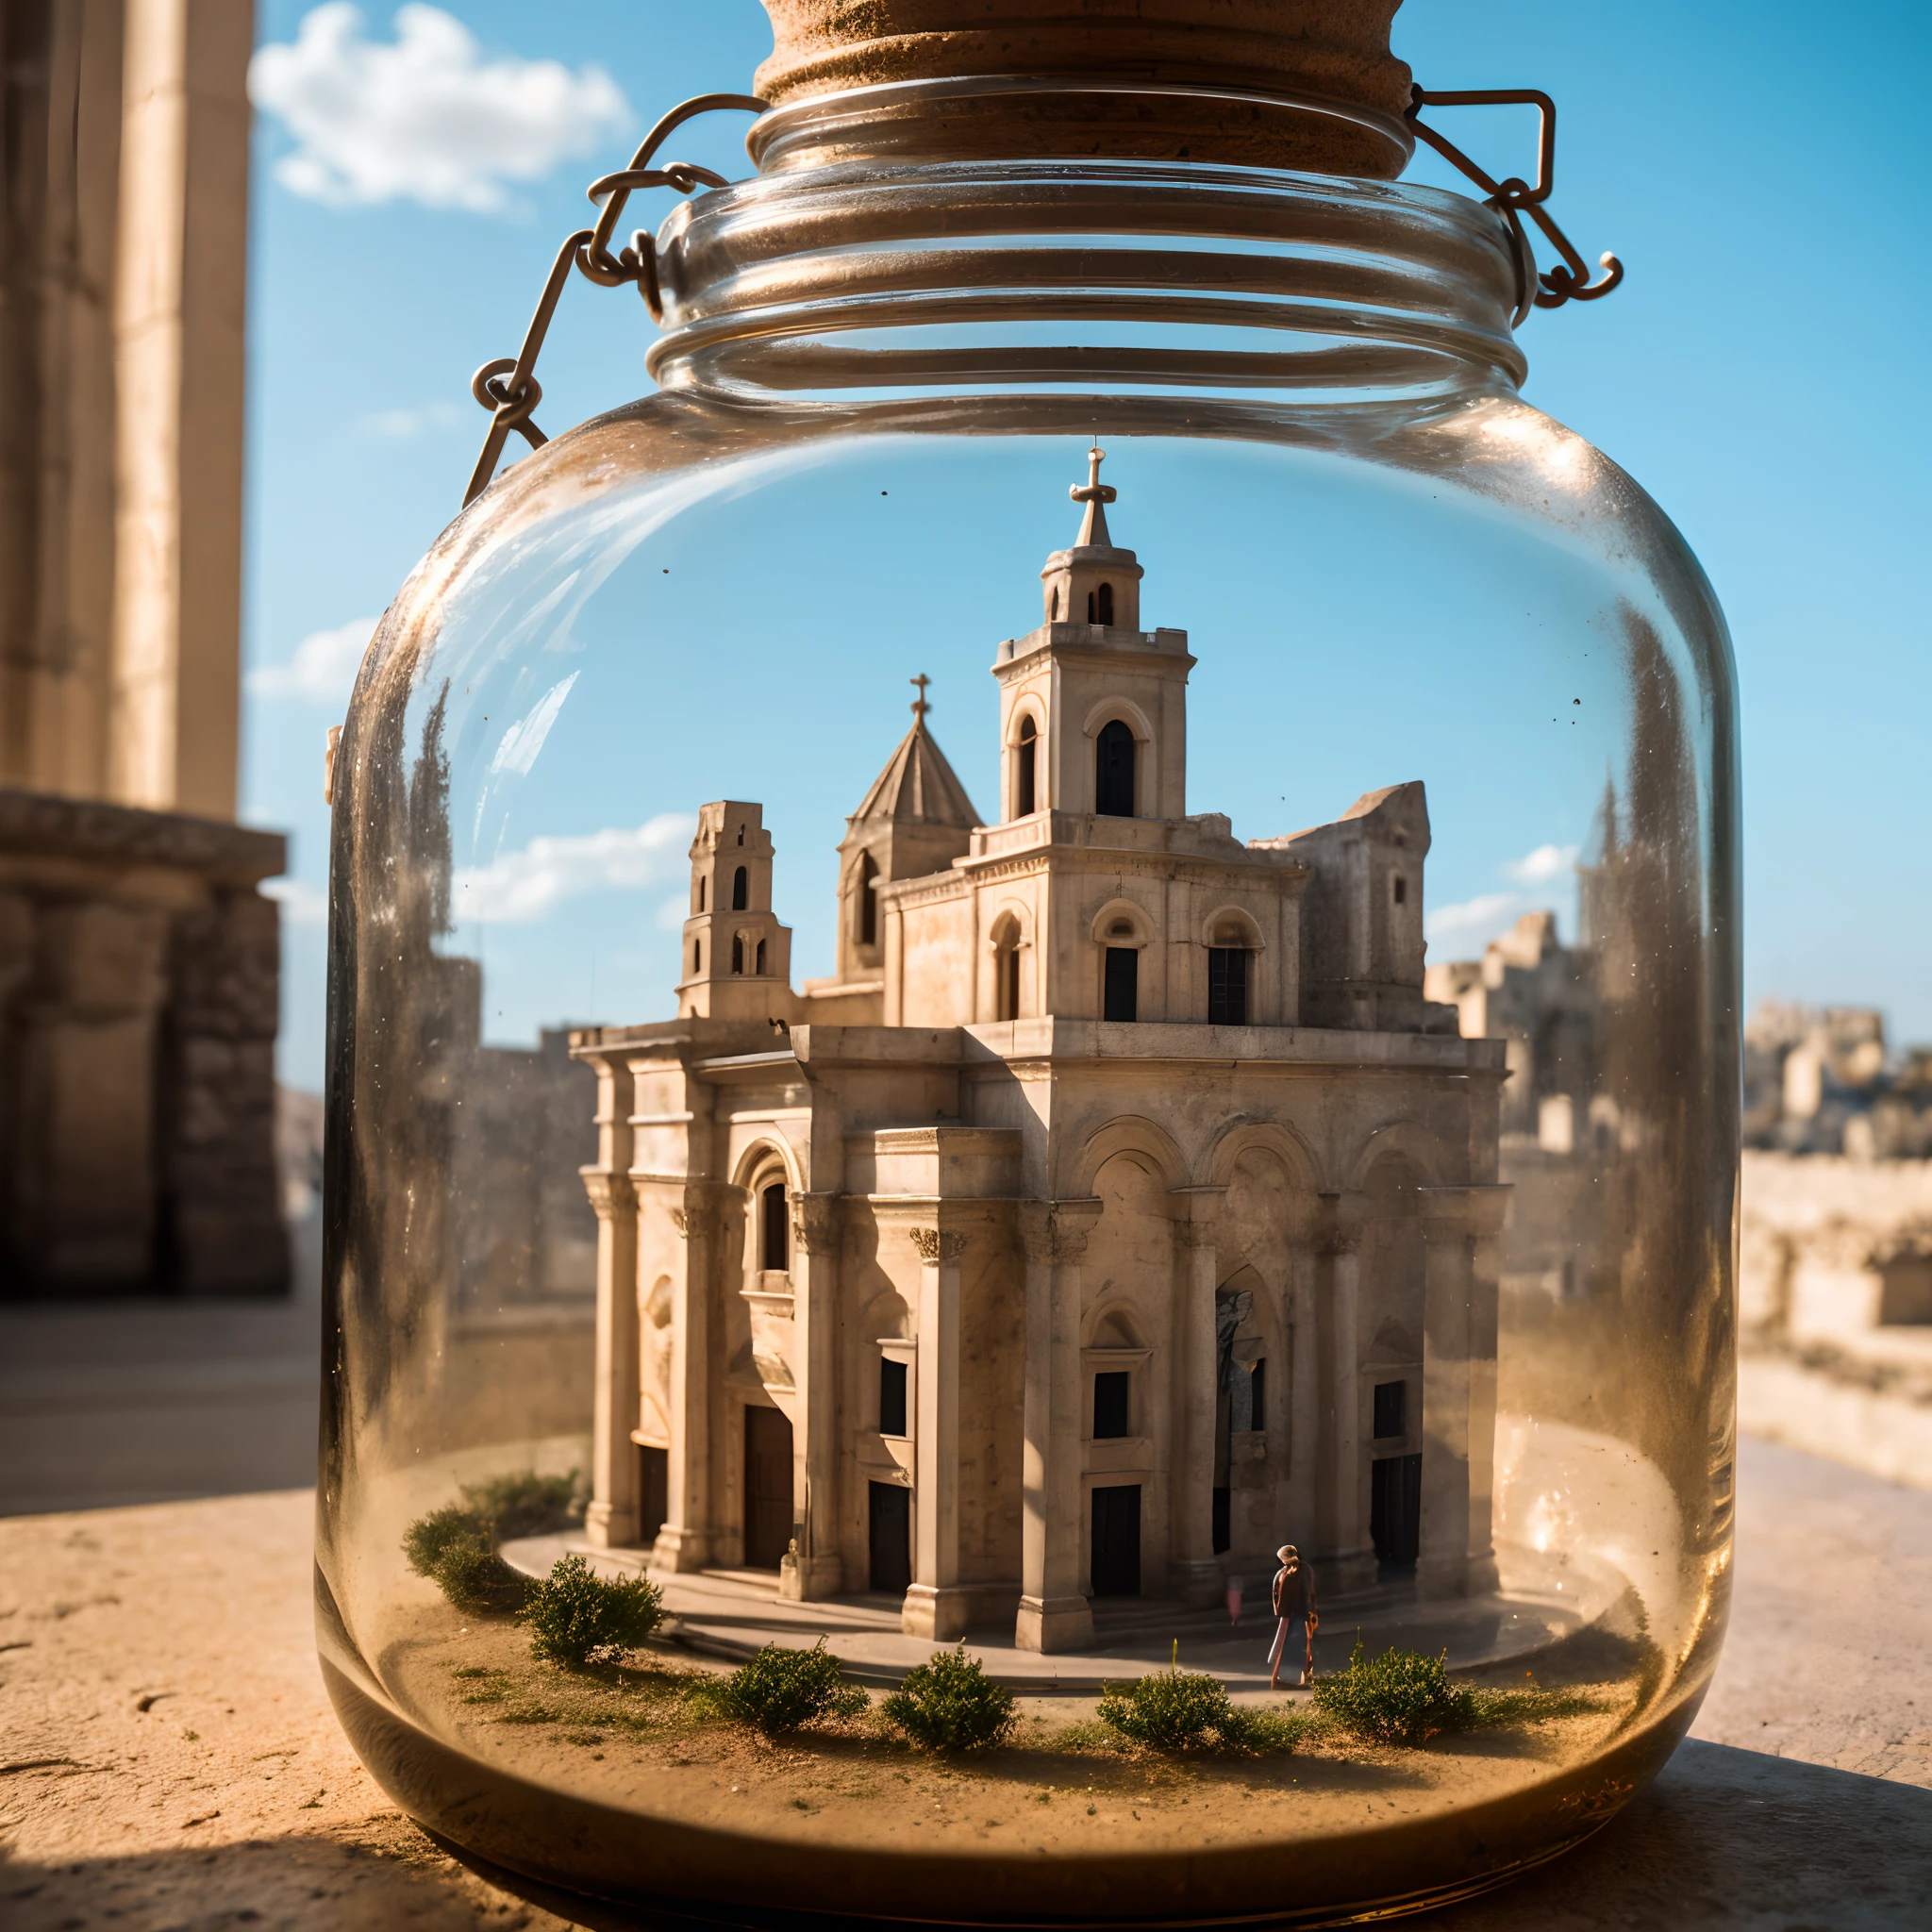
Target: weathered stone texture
x,y
138,986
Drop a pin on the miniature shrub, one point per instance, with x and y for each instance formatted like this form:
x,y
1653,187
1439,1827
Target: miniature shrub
x,y
522,1503
475,1578
1174,1710
427,1540
779,1690
1401,1697
949,1704
574,1612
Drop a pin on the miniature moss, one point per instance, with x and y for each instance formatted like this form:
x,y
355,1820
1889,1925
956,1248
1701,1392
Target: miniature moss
x,y
431,1537
575,1613
782,1689
949,1704
477,1581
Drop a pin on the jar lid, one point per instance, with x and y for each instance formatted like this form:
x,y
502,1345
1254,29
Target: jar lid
x,y
1211,80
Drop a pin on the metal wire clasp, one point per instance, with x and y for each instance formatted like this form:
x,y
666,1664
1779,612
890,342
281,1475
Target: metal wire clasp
x,y
508,387
1513,198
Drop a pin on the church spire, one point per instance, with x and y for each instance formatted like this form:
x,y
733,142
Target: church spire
x,y
1096,495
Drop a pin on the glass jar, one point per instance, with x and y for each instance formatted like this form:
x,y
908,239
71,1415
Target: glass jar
x,y
1109,1196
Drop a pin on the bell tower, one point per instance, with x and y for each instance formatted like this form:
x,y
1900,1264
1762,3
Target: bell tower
x,y
737,957
1092,708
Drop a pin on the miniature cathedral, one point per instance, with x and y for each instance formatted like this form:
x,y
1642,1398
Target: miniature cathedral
x,y
1118,1210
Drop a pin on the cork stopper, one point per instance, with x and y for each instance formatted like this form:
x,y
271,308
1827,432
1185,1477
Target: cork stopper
x,y
1158,79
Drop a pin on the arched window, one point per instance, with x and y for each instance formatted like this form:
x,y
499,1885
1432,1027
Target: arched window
x,y
1006,970
759,963
1227,985
775,1244
865,911
741,890
1024,764
702,883
1113,772
697,958
1103,598
736,953
741,835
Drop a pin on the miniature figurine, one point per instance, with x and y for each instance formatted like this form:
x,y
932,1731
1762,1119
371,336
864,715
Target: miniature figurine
x,y
1294,1571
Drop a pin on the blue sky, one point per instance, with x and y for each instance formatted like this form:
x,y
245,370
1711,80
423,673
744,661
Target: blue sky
x,y
1759,374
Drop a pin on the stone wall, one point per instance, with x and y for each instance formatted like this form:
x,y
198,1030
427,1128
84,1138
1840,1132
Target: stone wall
x,y
139,989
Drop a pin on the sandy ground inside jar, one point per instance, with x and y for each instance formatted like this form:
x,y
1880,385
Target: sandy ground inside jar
x,y
629,1739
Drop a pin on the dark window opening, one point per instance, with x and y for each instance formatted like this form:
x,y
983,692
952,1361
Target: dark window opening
x,y
1396,1508
741,890
703,882
737,953
1258,1395
741,835
1111,1391
1121,991
1010,983
1024,770
777,1244
892,1398
759,962
1114,1554
1104,601
654,1493
1113,772
868,908
1392,1409
1401,890
1227,985
697,958
1223,1519
890,1537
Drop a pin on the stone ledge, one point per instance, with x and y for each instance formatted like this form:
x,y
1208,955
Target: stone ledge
x,y
45,824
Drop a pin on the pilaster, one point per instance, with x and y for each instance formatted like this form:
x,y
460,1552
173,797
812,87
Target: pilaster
x,y
1054,1613
611,1519
936,1606
686,1540
1193,1565
1343,1549
813,1568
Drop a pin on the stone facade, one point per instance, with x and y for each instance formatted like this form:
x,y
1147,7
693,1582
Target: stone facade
x,y
139,971
1119,1209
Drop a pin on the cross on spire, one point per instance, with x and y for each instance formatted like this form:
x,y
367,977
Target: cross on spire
x,y
920,706
1094,494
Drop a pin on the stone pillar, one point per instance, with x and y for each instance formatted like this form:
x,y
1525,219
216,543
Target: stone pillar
x,y
1054,1613
1297,1515
181,289
611,1521
1192,1565
1346,1555
1459,1390
685,1542
813,1568
936,1606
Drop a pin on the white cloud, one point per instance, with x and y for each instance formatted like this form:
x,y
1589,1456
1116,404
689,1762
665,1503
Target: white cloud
x,y
1539,867
400,425
1461,931
323,670
672,912
302,905
517,887
426,118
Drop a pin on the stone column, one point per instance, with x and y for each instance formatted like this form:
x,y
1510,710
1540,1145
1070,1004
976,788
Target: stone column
x,y
180,286
1458,1389
1297,1515
1192,1564
936,1606
813,1568
1054,1614
1346,1555
611,1521
685,1542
